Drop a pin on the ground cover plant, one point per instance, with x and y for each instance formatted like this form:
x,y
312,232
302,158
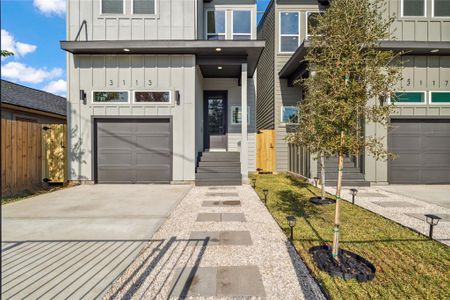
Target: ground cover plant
x,y
409,265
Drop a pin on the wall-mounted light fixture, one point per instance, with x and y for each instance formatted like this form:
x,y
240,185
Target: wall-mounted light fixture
x,y
177,97
83,96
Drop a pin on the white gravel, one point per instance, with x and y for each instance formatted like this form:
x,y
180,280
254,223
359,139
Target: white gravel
x,y
284,274
441,232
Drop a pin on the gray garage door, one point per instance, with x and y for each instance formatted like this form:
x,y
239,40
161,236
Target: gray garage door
x,y
133,151
423,151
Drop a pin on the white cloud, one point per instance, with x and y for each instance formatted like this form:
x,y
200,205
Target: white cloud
x,y
18,48
51,7
16,71
56,87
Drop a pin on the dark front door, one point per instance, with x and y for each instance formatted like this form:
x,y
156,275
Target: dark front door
x,y
215,120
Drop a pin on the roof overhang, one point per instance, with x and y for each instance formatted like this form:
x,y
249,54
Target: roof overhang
x,y
295,67
227,53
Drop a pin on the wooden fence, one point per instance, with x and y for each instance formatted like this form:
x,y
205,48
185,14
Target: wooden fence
x,y
23,158
265,151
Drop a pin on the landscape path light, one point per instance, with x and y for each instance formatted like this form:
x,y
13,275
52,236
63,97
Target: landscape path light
x,y
265,192
354,192
291,222
433,220
254,182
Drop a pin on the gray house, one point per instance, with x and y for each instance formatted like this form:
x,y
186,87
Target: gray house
x,y
421,124
157,90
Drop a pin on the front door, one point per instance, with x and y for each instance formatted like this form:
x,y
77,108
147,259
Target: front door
x,y
215,120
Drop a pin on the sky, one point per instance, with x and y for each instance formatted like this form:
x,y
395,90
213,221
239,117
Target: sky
x,y
32,29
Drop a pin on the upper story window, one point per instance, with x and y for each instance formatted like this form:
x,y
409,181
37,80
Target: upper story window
x,y
242,25
441,8
215,25
144,7
289,31
112,6
414,8
311,21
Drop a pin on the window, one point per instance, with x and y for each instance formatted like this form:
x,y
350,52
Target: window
x,y
311,21
409,97
215,25
440,97
289,114
152,96
110,97
144,7
236,115
441,8
414,8
289,31
112,6
242,25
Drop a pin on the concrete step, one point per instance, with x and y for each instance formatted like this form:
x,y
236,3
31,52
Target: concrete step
x,y
333,183
217,182
344,175
345,170
219,169
219,164
218,176
347,164
220,156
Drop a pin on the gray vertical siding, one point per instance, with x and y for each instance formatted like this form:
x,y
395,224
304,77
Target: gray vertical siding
x,y
266,73
174,20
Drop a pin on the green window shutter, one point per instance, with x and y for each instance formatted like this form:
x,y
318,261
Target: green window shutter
x,y
409,97
440,97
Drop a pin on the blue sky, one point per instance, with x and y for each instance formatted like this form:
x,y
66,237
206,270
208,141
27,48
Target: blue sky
x,y
32,30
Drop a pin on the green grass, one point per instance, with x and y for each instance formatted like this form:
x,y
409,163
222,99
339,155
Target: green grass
x,y
27,194
409,266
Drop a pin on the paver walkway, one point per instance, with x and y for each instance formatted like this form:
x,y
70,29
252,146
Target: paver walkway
x,y
221,243
401,209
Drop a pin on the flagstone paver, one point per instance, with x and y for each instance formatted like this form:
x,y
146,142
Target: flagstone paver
x,y
221,257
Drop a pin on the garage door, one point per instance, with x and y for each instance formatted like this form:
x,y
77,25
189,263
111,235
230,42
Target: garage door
x,y
423,151
133,151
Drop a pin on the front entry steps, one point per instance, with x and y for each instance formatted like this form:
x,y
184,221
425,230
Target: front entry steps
x,y
352,176
218,168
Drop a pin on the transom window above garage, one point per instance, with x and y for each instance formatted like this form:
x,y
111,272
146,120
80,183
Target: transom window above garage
x,y
152,97
413,8
408,98
110,97
439,97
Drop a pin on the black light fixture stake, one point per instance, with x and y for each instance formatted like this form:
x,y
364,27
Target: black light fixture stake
x,y
291,222
354,192
254,182
265,192
432,220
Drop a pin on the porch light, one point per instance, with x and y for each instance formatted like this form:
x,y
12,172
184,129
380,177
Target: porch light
x,y
265,192
126,50
316,180
432,220
434,51
218,49
291,222
354,192
220,67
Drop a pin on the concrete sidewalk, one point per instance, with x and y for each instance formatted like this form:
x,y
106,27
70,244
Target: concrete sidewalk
x,y
406,205
220,243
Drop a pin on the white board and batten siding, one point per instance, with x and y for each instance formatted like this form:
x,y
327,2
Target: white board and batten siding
x,y
131,73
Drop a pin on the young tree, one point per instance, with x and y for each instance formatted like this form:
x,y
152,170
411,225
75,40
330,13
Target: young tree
x,y
352,78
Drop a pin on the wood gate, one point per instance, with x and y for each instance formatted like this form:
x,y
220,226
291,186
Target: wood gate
x,y
265,151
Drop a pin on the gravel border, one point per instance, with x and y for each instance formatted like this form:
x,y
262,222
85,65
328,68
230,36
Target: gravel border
x,y
151,275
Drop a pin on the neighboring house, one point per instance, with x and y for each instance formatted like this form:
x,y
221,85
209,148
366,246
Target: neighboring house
x,y
421,124
26,115
157,90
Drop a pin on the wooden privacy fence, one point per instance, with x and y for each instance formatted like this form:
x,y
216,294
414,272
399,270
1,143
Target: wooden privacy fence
x,y
265,151
25,155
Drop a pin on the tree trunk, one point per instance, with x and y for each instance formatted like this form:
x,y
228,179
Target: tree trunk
x,y
338,198
322,179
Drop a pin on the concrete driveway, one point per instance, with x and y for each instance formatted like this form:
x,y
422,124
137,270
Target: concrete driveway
x,y
433,194
73,243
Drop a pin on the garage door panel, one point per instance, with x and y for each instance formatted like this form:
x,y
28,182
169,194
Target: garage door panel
x,y
422,147
133,151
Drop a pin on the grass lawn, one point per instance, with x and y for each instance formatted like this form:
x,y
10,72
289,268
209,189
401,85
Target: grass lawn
x,y
27,194
409,266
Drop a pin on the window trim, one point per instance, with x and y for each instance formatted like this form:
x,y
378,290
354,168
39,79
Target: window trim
x,y
110,103
206,34
252,27
424,10
279,31
249,115
154,103
281,114
144,15
425,101
124,8
432,12
437,103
